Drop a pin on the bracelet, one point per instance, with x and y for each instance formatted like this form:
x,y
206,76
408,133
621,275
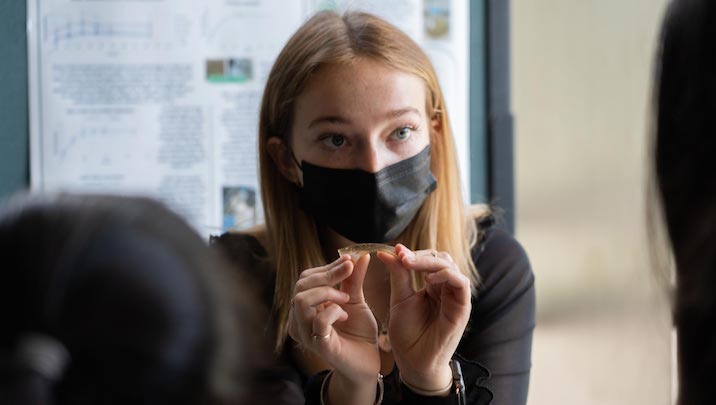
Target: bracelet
x,y
458,381
381,388
427,393
323,385
457,384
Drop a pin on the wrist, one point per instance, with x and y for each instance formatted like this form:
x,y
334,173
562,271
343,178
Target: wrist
x,y
344,390
438,383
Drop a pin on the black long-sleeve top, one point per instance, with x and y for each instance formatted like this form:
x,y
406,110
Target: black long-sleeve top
x,y
494,352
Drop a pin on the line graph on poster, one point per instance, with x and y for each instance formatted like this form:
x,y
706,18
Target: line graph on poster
x,y
114,35
111,143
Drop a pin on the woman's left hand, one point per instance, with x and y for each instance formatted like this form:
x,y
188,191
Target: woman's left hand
x,y
426,325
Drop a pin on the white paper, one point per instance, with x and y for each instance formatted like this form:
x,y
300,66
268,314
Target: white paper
x,y
446,37
161,97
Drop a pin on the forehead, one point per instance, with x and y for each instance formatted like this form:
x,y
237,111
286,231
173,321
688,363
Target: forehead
x,y
364,88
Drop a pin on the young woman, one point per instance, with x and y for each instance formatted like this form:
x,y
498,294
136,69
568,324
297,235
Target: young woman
x,y
355,146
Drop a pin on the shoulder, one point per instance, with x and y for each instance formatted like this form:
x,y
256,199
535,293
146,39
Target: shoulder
x,y
506,293
504,306
500,259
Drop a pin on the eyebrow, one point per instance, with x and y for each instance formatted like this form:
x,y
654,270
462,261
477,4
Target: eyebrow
x,y
333,119
337,119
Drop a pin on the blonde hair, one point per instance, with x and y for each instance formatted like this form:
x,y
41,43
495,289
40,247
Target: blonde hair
x,y
293,242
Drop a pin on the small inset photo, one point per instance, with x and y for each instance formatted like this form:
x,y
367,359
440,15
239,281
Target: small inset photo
x,y
436,15
239,207
232,70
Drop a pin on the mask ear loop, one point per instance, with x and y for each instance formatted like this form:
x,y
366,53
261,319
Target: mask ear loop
x,y
295,160
300,167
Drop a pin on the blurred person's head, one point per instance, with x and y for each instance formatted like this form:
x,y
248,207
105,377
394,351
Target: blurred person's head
x,y
110,300
685,174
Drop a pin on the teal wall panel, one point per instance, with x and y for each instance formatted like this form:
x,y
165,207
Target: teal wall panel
x,y
14,134
478,108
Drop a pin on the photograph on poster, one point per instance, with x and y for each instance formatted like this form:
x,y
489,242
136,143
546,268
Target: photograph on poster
x,y
239,207
437,18
232,70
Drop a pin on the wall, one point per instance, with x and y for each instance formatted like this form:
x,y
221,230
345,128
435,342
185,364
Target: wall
x,y
581,90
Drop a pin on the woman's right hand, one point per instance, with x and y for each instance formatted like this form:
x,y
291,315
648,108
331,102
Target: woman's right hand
x,y
337,325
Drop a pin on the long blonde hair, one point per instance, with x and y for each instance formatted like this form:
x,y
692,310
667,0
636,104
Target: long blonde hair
x,y
293,242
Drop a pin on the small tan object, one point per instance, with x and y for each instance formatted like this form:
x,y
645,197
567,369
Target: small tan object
x,y
356,251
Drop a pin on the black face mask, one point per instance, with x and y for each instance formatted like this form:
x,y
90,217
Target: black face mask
x,y
367,207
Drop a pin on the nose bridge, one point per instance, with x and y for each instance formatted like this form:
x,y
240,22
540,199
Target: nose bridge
x,y
371,157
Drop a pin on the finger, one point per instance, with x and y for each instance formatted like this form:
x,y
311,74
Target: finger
x,y
323,322
320,269
425,262
353,285
453,279
305,308
305,302
400,286
445,256
403,250
426,252
330,277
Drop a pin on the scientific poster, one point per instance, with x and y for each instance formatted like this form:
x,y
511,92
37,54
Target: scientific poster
x,y
161,97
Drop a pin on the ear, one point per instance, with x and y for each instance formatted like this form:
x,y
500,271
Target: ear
x,y
281,156
436,126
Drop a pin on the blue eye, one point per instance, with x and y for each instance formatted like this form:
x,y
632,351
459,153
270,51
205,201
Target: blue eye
x,y
404,133
335,141
338,140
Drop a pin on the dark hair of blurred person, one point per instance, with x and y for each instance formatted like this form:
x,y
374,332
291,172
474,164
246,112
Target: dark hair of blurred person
x,y
685,173
113,300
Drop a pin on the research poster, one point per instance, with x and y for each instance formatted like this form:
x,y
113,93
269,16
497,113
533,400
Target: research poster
x,y
161,97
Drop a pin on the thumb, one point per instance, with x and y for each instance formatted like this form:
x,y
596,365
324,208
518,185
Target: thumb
x,y
400,287
353,285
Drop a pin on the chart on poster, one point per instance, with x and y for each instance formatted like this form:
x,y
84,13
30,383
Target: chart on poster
x,y
161,97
